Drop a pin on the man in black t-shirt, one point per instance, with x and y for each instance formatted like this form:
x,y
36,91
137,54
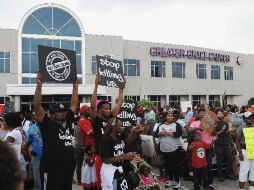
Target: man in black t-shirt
x,y
57,162
99,116
223,146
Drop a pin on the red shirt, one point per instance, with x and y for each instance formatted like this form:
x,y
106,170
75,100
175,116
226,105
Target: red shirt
x,y
86,131
198,154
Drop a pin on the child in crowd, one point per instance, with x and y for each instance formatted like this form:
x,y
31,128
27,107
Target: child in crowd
x,y
88,176
145,174
199,161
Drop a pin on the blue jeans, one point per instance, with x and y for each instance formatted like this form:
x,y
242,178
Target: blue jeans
x,y
209,157
36,172
114,184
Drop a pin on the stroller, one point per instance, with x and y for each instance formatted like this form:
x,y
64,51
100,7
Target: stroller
x,y
137,164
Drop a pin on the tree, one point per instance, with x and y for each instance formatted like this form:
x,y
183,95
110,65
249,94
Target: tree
x,y
145,103
251,101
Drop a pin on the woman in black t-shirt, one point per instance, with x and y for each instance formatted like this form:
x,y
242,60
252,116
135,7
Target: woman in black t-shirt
x,y
112,154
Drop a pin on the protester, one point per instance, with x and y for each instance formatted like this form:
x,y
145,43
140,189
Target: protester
x,y
189,114
170,146
88,178
232,138
86,128
3,129
199,161
34,138
112,155
246,165
27,122
57,163
207,138
149,120
223,146
100,114
79,150
160,121
10,175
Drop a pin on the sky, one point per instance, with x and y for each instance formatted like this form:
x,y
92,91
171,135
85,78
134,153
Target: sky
x,y
215,24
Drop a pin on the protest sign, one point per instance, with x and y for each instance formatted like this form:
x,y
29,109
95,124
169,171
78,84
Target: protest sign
x,y
128,113
249,140
208,121
185,105
57,65
9,107
110,71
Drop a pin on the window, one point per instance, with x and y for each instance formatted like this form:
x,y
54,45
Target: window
x,y
158,69
94,65
136,98
215,72
51,21
211,100
131,67
195,100
4,100
156,100
228,72
201,71
30,61
108,98
5,60
28,80
53,27
174,101
178,70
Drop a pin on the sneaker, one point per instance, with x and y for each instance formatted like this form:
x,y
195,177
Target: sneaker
x,y
177,185
170,184
211,187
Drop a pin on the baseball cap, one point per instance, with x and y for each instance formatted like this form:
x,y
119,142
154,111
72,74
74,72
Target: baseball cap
x,y
56,108
83,108
247,114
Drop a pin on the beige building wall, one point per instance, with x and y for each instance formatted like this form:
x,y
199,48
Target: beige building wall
x,y
238,90
9,43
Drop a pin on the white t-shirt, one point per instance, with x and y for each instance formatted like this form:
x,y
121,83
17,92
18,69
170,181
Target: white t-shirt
x,y
26,125
16,134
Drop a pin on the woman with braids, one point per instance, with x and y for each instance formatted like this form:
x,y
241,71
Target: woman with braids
x,y
112,154
10,175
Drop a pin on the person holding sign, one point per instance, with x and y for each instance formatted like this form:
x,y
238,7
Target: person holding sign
x,y
242,141
99,117
57,162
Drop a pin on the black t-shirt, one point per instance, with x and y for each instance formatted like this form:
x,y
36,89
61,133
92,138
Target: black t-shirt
x,y
99,125
58,142
134,146
111,147
223,138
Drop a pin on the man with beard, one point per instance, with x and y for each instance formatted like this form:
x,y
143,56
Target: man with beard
x,y
57,162
223,146
100,114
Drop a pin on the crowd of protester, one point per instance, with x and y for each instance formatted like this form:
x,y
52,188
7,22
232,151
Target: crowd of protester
x,y
48,146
